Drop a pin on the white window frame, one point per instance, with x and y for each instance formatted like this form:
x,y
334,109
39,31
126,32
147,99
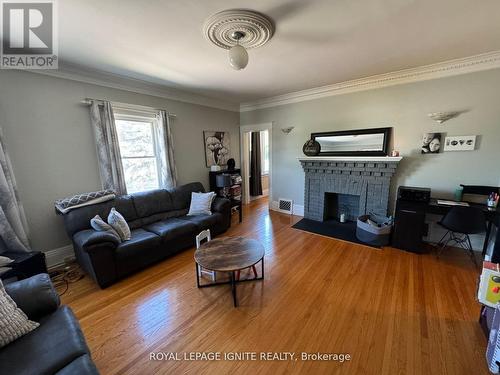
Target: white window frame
x,y
145,117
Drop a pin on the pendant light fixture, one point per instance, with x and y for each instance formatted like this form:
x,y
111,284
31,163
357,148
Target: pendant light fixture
x,y
238,55
238,30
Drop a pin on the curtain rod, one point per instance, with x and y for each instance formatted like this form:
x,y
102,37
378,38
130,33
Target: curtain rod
x,y
87,101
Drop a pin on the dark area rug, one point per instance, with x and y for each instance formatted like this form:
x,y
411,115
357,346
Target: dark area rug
x,y
333,229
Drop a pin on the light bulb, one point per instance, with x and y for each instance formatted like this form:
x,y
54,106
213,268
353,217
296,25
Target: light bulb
x,y
238,57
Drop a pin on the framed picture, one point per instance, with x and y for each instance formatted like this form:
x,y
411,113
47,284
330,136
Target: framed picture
x,y
431,143
217,147
460,143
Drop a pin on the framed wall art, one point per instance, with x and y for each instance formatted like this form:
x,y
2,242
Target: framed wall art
x,y
431,143
217,147
460,143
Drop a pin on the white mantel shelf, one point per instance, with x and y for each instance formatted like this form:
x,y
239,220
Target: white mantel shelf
x,y
351,158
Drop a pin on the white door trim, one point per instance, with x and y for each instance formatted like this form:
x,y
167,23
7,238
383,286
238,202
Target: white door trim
x,y
245,163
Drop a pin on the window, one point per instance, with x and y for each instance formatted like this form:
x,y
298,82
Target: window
x,y
264,147
137,139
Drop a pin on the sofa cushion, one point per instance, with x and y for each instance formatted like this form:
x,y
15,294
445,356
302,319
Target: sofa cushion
x,y
163,216
172,228
203,222
49,348
119,224
201,203
98,224
81,366
141,241
181,196
151,202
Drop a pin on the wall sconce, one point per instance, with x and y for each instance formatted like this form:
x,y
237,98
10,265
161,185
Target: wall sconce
x,y
441,117
287,131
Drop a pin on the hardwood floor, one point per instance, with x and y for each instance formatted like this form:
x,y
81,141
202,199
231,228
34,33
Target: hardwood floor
x,y
393,312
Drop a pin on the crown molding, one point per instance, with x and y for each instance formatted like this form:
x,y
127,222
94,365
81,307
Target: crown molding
x,y
455,67
120,82
485,61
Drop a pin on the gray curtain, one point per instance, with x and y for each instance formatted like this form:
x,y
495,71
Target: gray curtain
x,y
255,166
165,147
108,148
13,225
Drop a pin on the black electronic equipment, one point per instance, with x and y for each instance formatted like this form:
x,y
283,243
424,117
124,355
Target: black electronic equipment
x,y
414,194
409,222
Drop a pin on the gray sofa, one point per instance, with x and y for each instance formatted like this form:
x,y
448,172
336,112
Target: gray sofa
x,y
159,226
57,346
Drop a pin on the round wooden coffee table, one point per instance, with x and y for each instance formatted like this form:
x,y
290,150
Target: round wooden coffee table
x,y
229,254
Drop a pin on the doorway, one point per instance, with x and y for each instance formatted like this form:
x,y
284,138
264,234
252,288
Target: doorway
x,y
256,161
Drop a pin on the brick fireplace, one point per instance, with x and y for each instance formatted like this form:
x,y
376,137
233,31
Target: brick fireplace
x,y
355,185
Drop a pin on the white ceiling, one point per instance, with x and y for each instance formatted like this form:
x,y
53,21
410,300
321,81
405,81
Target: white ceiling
x,y
317,42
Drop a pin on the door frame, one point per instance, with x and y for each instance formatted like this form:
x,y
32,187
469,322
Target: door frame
x,y
245,131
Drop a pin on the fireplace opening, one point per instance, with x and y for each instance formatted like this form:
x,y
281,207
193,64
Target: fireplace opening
x,y
338,204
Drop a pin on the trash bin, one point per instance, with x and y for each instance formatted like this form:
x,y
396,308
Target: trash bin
x,y
374,230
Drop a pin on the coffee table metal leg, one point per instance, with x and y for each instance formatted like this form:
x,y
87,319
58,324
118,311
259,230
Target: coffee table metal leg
x,y
233,289
197,275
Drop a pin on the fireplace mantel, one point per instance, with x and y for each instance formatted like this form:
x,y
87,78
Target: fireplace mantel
x,y
352,158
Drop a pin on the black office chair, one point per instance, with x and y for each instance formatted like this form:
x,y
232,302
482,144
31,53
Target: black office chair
x,y
460,222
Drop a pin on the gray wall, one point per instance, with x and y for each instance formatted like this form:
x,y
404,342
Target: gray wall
x,y
50,142
405,108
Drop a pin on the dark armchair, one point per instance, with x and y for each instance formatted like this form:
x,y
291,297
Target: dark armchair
x,y
57,346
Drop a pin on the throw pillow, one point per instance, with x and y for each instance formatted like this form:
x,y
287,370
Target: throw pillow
x,y
5,260
13,321
101,226
118,222
201,203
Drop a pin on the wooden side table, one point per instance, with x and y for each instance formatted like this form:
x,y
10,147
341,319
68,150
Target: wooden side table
x,y
25,265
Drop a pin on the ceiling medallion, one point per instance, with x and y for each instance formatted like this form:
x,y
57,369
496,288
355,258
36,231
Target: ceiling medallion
x,y
238,30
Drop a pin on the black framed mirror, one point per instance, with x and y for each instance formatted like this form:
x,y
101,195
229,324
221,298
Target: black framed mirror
x,y
361,142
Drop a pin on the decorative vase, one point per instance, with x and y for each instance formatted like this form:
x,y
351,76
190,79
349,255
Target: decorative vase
x,y
458,194
311,148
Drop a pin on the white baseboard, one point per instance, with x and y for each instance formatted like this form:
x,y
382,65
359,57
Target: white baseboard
x,y
58,257
255,197
274,205
297,209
